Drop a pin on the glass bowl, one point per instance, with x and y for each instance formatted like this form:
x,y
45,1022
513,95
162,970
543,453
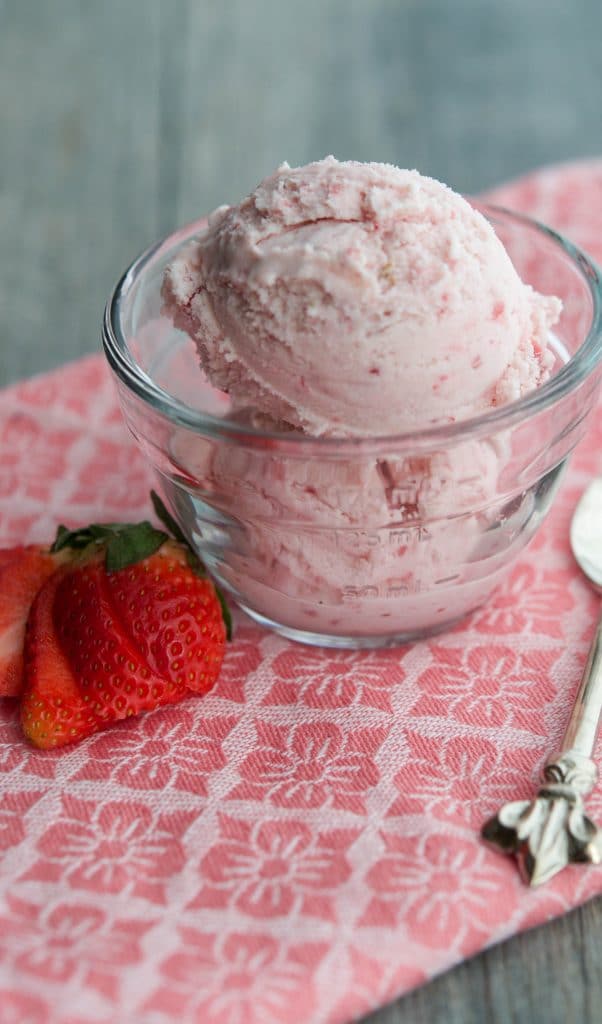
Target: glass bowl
x,y
357,542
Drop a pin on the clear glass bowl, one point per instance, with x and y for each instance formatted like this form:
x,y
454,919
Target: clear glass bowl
x,y
357,542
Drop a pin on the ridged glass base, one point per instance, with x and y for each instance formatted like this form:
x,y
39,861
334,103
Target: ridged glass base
x,y
357,643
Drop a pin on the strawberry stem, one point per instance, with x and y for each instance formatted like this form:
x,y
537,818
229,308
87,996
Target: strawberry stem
x,y
124,543
127,543
226,613
167,519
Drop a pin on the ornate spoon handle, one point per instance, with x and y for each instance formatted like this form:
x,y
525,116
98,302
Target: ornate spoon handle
x,y
553,830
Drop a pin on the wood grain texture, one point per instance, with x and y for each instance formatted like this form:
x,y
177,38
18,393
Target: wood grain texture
x,y
547,976
120,120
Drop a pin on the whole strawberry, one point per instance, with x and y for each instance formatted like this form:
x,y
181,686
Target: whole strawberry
x,y
129,623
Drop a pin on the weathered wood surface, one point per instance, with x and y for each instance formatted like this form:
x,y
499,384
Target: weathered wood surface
x,y
120,120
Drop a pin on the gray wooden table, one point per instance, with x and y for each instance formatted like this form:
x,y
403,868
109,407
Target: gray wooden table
x,y
121,119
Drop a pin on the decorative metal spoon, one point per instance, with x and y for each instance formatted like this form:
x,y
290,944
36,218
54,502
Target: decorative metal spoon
x,y
552,830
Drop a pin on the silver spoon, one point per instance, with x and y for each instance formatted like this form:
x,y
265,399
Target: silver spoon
x,y
551,831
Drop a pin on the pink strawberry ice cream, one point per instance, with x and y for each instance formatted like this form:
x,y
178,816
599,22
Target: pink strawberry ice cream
x,y
358,299
348,302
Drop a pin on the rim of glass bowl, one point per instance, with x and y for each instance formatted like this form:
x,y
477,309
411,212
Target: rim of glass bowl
x,y
575,371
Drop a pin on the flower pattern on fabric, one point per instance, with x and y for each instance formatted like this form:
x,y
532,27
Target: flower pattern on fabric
x,y
69,941
444,887
16,757
176,749
301,844
533,602
371,983
237,978
310,765
336,678
273,868
32,450
493,686
240,661
463,780
13,809
127,481
20,1008
116,846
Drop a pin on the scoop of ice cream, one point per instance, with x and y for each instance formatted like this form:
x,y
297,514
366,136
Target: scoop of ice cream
x,y
358,299
350,546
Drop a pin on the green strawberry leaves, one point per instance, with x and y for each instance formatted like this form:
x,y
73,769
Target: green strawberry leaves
x,y
127,543
124,543
226,613
167,519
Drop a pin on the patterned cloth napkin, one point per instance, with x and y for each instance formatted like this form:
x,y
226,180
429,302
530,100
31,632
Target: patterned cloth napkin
x,y
302,844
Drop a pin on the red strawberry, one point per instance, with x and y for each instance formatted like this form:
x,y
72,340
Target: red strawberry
x,y
53,711
23,570
129,633
172,616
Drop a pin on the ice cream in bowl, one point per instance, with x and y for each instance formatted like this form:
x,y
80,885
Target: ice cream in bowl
x,y
358,391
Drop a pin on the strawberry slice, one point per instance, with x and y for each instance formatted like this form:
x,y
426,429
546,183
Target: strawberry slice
x,y
23,570
112,676
130,623
8,555
53,711
172,615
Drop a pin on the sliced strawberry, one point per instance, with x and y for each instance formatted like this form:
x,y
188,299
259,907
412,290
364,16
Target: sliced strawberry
x,y
112,675
172,615
53,711
8,555
130,623
23,570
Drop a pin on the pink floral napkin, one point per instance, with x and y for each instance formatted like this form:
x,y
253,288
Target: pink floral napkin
x,y
302,844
